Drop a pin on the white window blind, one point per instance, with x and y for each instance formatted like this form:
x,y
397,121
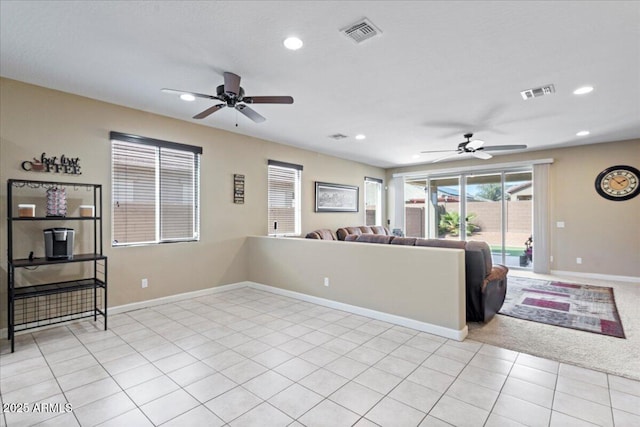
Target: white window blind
x,y
155,190
284,198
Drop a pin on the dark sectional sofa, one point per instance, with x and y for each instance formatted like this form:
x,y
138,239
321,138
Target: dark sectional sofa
x,y
485,283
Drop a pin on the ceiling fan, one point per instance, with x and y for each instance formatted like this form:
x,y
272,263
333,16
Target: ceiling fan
x,y
475,147
232,95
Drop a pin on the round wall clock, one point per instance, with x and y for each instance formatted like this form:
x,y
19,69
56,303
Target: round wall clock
x,y
618,183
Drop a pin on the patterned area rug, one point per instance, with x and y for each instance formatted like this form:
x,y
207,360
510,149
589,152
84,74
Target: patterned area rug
x,y
582,307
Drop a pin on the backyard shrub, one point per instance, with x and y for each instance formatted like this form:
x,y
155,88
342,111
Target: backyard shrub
x,y
450,224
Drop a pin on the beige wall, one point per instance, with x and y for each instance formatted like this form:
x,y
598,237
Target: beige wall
x,y
35,120
605,234
418,283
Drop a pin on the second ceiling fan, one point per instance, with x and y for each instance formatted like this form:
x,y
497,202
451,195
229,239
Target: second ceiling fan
x,y
474,147
232,96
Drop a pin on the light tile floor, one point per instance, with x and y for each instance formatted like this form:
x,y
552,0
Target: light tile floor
x,y
251,358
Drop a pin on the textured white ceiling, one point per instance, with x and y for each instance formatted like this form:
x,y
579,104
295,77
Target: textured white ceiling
x,y
440,69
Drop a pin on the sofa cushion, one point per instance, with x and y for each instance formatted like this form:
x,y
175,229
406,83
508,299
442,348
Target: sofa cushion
x,y
345,231
407,241
351,237
441,243
374,238
378,229
322,234
326,234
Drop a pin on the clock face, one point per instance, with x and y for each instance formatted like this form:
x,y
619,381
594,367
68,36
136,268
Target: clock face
x,y
618,183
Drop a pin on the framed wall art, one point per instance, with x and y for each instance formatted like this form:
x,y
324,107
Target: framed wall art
x,y
336,197
238,189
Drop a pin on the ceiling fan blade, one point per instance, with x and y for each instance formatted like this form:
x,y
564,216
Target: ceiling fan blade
x,y
438,151
446,157
252,114
481,155
184,92
209,111
231,83
505,147
475,144
268,100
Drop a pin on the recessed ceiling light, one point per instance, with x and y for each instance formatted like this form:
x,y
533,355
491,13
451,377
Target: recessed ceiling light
x,y
416,156
187,97
360,137
292,43
583,90
583,133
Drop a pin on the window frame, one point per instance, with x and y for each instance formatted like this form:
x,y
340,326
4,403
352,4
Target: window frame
x,y
378,216
160,146
297,198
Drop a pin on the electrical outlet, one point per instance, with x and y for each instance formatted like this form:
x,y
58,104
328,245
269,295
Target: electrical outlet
x,y
326,281
578,260
560,224
145,283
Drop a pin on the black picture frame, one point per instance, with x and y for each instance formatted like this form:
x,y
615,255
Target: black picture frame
x,y
336,197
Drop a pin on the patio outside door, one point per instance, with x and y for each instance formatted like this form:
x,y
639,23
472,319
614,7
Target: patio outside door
x,y
499,210
497,207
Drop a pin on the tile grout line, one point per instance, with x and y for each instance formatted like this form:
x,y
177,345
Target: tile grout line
x,y
115,381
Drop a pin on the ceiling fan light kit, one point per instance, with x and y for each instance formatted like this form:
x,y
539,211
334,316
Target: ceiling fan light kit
x,y
232,96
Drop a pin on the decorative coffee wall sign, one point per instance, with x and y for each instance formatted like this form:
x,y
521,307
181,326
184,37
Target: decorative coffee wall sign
x,y
62,164
238,188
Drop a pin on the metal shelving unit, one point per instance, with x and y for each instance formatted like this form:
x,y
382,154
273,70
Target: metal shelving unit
x,y
35,305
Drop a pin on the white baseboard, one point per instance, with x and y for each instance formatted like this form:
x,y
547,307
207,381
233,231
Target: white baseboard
x,y
597,276
140,305
175,298
458,335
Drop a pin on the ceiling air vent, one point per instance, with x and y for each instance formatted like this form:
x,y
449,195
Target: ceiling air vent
x,y
361,31
537,92
337,136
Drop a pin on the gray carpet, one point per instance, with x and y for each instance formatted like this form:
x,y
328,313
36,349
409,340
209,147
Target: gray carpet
x,y
603,353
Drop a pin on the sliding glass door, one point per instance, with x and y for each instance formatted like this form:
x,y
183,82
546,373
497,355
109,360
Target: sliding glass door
x,y
415,196
485,212
518,227
497,207
444,210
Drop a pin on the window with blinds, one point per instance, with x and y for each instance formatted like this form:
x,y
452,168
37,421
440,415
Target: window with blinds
x,y
284,184
155,190
373,201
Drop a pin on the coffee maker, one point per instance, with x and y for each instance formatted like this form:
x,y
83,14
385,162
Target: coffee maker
x,y
58,243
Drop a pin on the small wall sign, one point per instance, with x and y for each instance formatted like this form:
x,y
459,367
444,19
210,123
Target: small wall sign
x,y
238,188
62,164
